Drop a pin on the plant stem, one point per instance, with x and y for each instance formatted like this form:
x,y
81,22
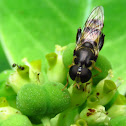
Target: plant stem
x,y
46,121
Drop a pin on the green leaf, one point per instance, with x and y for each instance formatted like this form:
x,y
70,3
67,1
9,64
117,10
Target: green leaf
x,y
118,121
32,28
3,60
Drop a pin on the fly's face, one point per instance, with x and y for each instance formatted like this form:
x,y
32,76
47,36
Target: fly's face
x,y
80,74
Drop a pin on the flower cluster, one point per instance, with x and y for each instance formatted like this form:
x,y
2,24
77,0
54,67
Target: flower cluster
x,y
35,94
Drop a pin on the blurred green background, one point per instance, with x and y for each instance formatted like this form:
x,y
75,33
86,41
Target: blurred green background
x,y
32,28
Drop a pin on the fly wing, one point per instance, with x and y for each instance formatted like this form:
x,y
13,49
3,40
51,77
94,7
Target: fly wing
x,y
93,26
96,18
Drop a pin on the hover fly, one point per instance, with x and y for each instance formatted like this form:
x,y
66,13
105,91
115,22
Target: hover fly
x,y
89,41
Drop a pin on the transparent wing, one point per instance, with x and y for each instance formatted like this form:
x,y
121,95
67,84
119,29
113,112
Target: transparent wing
x,y
96,18
93,25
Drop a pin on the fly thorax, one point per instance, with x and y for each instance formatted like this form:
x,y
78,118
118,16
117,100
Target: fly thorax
x,y
84,56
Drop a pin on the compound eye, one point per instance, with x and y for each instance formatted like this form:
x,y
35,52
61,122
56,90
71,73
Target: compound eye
x,y
85,75
73,72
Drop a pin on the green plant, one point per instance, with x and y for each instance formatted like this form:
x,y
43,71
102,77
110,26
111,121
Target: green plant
x,y
30,30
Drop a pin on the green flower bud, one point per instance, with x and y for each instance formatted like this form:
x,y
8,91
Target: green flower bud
x,y
28,73
23,71
118,121
104,65
95,116
35,74
81,122
105,91
56,71
79,96
68,55
117,110
46,100
92,101
109,86
17,120
31,100
7,111
51,58
57,100
19,78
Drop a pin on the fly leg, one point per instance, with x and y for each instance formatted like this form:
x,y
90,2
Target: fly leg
x,y
101,41
78,86
98,69
78,34
66,83
86,87
70,65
